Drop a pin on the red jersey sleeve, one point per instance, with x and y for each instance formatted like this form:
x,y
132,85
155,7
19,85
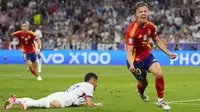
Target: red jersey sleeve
x,y
33,36
17,34
129,40
153,31
130,34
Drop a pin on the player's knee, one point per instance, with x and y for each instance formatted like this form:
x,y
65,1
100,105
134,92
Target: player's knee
x,y
34,65
55,104
158,74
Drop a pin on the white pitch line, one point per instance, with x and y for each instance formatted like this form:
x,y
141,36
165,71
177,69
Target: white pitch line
x,y
182,101
56,76
192,104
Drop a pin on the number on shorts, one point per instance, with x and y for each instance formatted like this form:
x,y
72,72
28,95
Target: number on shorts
x,y
138,71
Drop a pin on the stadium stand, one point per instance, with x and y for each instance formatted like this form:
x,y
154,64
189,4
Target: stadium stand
x,y
99,24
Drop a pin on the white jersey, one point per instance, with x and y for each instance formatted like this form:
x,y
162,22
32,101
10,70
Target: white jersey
x,y
75,95
81,90
38,34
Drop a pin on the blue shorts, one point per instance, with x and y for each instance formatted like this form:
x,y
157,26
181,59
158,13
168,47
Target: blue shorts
x,y
142,67
30,56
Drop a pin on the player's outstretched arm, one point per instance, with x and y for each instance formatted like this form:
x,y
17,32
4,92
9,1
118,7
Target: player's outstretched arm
x,y
162,47
129,50
90,103
39,43
39,47
10,31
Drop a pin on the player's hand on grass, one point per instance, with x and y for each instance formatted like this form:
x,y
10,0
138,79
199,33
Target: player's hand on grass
x,y
172,56
132,68
98,104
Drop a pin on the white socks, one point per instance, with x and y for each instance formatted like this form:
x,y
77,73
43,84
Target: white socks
x,y
38,103
39,61
39,78
160,99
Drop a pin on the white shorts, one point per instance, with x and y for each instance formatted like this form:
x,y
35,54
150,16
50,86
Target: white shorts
x,y
63,98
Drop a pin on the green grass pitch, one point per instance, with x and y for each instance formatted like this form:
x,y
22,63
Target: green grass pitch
x,y
116,88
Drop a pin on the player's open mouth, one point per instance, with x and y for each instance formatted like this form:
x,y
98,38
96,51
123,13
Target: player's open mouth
x,y
143,17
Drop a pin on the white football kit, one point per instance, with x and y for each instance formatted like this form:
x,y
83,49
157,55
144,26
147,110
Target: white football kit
x,y
75,95
80,91
38,34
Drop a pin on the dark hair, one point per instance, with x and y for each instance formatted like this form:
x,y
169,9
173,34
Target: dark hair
x,y
140,4
90,75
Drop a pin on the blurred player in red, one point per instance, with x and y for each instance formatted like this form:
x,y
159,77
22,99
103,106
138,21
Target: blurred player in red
x,y
139,57
26,39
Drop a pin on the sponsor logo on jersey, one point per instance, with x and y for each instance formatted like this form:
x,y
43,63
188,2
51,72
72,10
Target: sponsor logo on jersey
x,y
140,36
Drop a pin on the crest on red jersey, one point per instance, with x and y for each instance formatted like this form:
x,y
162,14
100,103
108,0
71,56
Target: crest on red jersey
x,y
145,37
130,40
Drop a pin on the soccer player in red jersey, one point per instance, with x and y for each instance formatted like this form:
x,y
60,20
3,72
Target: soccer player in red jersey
x,y
139,57
26,39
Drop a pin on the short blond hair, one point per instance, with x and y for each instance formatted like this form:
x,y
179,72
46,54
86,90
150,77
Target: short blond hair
x,y
140,4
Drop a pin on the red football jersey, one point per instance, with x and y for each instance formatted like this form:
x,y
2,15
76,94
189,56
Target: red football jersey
x,y
138,37
26,40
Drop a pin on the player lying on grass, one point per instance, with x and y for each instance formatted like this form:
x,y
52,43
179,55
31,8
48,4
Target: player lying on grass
x,y
139,57
78,94
26,39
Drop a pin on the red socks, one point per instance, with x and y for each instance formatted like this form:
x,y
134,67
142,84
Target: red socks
x,y
160,86
33,71
140,88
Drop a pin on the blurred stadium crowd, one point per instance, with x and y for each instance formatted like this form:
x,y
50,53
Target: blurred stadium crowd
x,y
99,23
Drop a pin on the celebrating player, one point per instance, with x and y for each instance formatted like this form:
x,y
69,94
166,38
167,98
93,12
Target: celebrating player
x,y
139,57
26,39
78,94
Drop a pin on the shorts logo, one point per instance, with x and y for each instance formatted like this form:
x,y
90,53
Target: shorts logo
x,y
130,40
154,60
